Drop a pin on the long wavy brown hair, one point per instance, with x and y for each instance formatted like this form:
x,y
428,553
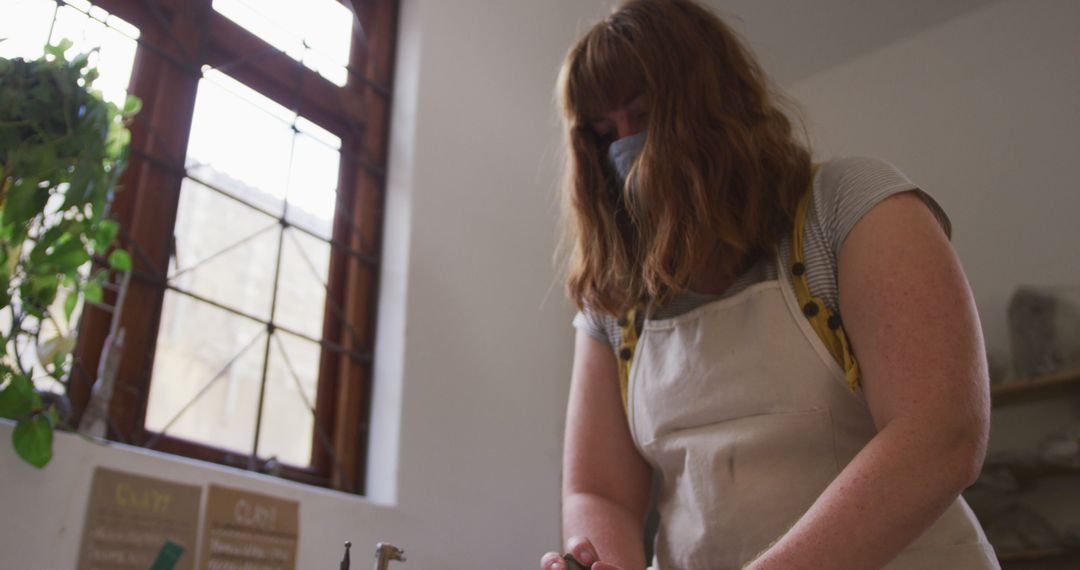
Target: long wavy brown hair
x,y
719,177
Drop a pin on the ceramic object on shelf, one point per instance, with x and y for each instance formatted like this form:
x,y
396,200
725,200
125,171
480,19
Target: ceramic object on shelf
x,y
1044,330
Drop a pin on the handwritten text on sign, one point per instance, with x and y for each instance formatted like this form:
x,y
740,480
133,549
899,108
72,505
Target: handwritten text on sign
x,y
249,531
130,517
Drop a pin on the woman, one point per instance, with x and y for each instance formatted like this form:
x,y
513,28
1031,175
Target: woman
x,y
711,262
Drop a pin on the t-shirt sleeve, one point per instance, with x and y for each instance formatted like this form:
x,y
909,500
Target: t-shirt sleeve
x,y
592,323
853,186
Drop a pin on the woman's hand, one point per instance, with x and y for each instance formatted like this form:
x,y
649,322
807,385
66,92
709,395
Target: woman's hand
x,y
582,550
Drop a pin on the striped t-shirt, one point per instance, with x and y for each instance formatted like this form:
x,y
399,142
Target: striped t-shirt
x,y
844,190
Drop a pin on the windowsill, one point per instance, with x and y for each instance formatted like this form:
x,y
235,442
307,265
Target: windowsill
x,y
153,463
51,503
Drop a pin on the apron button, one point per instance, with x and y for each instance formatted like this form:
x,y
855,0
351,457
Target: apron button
x,y
622,322
810,309
626,353
834,322
798,269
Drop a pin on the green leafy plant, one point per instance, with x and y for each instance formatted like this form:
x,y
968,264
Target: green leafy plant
x,y
62,148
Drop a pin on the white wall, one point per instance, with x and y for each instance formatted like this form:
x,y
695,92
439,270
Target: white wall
x,y
981,112
475,341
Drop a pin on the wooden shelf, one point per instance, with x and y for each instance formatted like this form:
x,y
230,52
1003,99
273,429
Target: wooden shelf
x,y
1027,476
1035,555
1057,384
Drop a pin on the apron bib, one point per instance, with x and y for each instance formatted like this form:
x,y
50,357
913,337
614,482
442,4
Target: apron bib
x,y
747,417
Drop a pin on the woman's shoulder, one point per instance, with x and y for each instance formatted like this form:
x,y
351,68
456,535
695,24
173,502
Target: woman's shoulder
x,y
845,178
846,188
598,325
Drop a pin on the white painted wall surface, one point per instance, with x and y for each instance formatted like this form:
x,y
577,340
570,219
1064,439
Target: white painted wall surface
x,y
980,111
475,342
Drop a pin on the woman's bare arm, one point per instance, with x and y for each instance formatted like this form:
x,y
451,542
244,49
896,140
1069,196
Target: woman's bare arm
x,y
909,312
605,480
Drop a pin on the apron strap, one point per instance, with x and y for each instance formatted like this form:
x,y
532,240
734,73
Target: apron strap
x,y
825,322
628,327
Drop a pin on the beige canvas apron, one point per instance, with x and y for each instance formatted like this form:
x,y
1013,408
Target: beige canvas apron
x,y
747,417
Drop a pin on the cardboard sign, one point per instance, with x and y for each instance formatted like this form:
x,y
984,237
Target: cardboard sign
x,y
131,518
249,531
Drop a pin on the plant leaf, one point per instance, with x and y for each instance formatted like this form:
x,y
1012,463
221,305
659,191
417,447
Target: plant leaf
x,y
105,233
5,284
43,289
132,105
120,260
23,201
92,290
58,49
33,440
70,302
69,255
17,398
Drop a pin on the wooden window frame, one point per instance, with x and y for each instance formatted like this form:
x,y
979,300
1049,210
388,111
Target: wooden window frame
x,y
177,38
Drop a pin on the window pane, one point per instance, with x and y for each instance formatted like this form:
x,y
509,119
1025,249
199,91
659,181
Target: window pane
x,y
291,380
225,251
316,32
305,263
313,179
25,28
242,140
196,346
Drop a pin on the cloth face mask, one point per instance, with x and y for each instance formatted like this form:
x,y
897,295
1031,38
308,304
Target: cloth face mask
x,y
622,154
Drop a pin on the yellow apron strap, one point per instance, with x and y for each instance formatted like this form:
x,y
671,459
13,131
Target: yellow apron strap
x,y
825,322
625,354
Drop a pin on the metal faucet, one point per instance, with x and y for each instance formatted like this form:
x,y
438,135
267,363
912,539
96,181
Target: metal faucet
x,y
384,553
